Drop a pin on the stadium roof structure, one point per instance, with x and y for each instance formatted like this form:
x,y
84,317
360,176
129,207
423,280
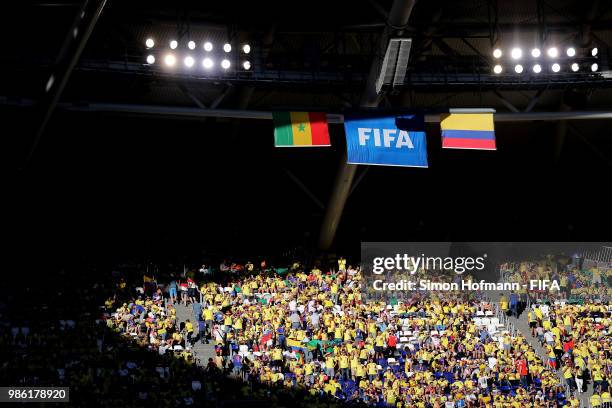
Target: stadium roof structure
x,y
127,125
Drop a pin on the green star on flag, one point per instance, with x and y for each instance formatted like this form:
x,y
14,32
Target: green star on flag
x,y
300,129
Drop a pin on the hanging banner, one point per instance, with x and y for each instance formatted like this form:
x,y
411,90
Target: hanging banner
x,y
397,140
300,129
468,131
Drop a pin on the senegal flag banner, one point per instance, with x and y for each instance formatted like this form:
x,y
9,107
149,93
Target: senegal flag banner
x,y
295,129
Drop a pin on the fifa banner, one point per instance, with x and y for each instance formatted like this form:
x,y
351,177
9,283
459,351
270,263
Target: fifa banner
x,y
397,140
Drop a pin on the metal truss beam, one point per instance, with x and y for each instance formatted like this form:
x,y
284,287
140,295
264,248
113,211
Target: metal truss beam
x,y
74,43
196,113
419,81
398,19
305,189
333,118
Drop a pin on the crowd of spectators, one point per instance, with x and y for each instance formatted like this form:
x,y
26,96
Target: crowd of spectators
x,y
577,342
311,329
577,281
305,335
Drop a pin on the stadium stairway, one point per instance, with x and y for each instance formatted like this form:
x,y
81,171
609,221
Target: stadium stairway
x,y
202,352
522,325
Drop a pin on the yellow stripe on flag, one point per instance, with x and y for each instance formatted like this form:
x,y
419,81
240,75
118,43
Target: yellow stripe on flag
x,y
294,343
300,125
467,121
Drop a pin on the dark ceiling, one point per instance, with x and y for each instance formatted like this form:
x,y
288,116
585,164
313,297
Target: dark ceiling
x,y
104,183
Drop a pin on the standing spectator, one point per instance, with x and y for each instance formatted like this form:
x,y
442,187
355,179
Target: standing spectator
x,y
514,304
202,332
391,344
189,330
341,264
183,287
197,311
207,314
192,290
579,378
172,291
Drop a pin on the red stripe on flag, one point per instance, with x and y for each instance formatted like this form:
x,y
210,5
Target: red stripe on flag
x,y
265,338
318,127
483,144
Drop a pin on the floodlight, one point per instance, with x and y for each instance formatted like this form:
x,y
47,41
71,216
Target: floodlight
x,y
553,52
191,45
537,68
497,53
497,69
150,43
150,59
594,67
173,44
535,53
246,48
575,67
208,46
594,52
170,60
571,51
227,47
207,63
518,68
246,65
556,67
225,64
516,53
189,61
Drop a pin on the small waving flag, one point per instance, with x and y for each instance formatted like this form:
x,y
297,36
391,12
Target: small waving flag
x,y
300,129
265,338
468,131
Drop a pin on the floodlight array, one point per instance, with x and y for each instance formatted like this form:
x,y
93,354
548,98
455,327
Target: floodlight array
x,y
552,59
191,55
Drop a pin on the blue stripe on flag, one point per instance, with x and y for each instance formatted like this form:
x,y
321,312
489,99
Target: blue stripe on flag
x,y
468,134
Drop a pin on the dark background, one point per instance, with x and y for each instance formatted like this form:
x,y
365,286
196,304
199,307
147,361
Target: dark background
x,y
108,187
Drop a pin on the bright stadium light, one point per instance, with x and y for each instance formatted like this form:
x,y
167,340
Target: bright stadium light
x,y
170,60
571,52
189,61
208,46
537,68
207,63
191,45
594,67
150,59
556,67
497,53
516,53
173,44
246,48
225,64
594,52
227,47
535,53
553,52
246,65
575,67
518,68
150,43
497,69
